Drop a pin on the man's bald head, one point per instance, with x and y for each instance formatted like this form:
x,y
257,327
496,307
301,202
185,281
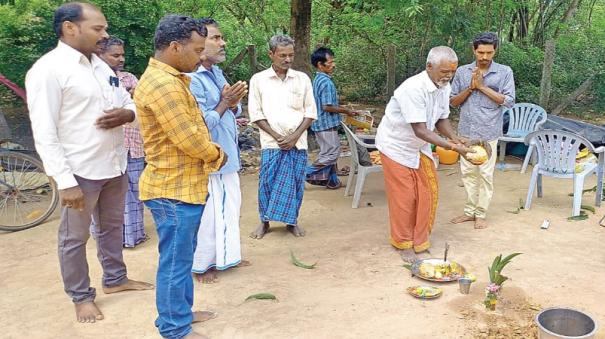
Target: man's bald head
x,y
71,11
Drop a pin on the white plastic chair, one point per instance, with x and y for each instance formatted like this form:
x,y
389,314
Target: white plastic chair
x,y
557,151
362,171
524,118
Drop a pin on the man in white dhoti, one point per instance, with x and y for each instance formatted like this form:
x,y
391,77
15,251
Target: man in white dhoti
x,y
218,244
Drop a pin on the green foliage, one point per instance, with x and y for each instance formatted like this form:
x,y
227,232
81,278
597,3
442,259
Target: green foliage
x,y
495,270
527,60
133,21
359,31
25,34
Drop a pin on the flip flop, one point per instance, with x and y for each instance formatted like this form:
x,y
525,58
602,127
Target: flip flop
x,y
343,171
334,187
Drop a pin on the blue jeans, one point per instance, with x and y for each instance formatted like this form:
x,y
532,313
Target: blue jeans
x,y
177,224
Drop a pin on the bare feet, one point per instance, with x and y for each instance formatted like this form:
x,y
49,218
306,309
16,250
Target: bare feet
x,y
408,255
480,223
423,255
297,231
201,316
88,312
260,232
208,277
461,219
195,335
129,285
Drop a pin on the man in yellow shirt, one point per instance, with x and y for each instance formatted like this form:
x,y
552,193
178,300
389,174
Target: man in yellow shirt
x,y
179,155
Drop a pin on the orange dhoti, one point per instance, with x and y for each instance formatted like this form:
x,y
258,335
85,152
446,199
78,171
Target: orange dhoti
x,y
412,199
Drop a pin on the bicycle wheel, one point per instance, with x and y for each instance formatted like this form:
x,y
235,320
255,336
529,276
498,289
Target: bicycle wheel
x,y
27,195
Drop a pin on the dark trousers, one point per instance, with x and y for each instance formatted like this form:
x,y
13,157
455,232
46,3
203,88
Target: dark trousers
x,y
103,201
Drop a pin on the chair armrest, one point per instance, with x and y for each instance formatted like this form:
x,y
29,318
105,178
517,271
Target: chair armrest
x,y
600,149
363,144
529,140
360,142
540,123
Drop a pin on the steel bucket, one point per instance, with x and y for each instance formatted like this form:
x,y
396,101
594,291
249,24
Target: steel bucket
x,y
464,284
567,323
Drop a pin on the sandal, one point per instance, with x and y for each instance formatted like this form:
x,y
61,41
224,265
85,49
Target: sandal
x,y
343,171
339,185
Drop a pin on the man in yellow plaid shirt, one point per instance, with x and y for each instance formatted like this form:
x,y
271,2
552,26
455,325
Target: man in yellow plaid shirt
x,y
179,157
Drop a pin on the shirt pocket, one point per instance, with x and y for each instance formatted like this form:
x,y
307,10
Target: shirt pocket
x,y
296,100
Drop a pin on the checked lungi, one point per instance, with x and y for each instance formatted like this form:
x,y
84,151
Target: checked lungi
x,y
281,184
134,228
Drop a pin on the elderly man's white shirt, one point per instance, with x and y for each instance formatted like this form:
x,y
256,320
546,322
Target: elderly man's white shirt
x,y
66,94
283,103
416,100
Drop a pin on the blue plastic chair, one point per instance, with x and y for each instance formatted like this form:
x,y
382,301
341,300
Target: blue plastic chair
x,y
557,151
362,171
524,118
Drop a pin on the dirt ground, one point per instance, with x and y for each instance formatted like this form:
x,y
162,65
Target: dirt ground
x,y
358,287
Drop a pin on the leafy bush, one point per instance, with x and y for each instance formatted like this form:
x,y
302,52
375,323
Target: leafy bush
x,y
358,31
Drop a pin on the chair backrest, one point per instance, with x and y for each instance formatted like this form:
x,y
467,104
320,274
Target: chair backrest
x,y
354,142
557,150
524,118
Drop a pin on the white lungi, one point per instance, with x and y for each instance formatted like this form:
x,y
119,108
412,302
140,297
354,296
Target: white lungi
x,y
218,239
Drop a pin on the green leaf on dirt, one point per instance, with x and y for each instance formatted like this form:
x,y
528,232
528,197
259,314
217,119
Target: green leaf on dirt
x,y
582,216
588,190
517,211
299,263
262,296
519,207
588,208
408,266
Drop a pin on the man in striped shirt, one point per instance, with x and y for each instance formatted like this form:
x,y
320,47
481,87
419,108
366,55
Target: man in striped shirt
x,y
112,52
323,171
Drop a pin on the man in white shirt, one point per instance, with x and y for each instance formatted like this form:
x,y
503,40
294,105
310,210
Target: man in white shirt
x,y
77,110
281,103
418,107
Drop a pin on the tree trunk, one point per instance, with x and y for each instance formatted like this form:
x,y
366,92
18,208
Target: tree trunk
x,y
238,58
523,22
583,88
569,13
253,61
300,28
391,70
545,84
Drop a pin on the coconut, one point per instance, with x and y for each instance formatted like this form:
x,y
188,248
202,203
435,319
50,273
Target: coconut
x,y
478,156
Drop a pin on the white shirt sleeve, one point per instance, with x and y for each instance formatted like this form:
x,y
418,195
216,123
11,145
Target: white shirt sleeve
x,y
413,105
44,96
445,105
255,110
125,100
309,105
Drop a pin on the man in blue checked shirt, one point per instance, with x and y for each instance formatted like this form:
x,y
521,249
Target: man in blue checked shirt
x,y
323,171
218,245
483,90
